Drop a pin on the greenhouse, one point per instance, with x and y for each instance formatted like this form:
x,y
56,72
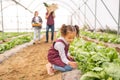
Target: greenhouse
x,y
83,42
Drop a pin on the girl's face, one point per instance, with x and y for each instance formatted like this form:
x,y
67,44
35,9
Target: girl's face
x,y
70,37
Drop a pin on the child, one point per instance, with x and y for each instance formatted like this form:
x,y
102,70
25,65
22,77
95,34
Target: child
x,y
58,56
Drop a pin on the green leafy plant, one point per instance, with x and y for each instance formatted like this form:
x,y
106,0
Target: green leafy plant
x,y
95,61
14,42
105,37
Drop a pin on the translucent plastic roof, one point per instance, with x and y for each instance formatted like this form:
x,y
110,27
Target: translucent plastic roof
x,y
18,13
38,4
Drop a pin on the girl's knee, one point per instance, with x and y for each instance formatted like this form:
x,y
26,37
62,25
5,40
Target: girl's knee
x,y
68,68
59,68
63,70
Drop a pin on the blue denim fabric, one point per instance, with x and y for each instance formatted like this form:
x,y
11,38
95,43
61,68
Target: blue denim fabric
x,y
63,69
52,32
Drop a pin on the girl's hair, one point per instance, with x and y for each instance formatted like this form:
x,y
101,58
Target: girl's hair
x,y
77,30
69,28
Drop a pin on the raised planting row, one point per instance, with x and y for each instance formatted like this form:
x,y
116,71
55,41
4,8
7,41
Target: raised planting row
x,y
14,42
11,34
96,61
105,37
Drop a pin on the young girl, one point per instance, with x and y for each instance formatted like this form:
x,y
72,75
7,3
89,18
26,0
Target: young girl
x,y
58,55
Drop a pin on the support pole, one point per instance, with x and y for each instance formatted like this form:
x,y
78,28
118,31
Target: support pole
x,y
118,33
17,19
71,21
2,20
95,13
85,13
109,11
86,18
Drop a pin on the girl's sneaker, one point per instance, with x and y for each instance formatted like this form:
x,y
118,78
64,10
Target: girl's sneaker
x,y
50,69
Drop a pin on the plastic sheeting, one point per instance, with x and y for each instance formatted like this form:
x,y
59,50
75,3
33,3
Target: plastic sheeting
x,y
17,14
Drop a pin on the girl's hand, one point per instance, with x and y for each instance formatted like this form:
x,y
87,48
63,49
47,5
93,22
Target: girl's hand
x,y
71,57
73,64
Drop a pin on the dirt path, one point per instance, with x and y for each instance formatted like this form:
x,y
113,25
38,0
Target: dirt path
x,y
28,64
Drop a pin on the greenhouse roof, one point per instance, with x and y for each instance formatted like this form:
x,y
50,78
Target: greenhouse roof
x,y
103,14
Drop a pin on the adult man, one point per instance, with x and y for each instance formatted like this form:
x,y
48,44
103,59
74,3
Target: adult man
x,y
50,15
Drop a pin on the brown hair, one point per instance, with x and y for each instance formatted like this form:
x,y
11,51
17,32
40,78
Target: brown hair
x,y
77,30
69,28
35,13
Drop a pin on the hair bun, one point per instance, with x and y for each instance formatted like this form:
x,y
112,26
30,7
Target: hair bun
x,y
63,25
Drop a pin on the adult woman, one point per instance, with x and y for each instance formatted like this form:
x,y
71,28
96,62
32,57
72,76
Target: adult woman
x,y
37,25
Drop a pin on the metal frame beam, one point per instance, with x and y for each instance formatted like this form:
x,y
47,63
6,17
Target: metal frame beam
x,y
118,20
85,12
82,12
86,18
70,9
2,18
93,14
22,5
17,17
109,12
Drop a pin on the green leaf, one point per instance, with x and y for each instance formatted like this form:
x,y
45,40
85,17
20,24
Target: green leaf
x,y
90,76
97,69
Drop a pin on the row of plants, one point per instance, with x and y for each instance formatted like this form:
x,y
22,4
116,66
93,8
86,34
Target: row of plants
x,y
96,61
14,42
105,37
10,34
